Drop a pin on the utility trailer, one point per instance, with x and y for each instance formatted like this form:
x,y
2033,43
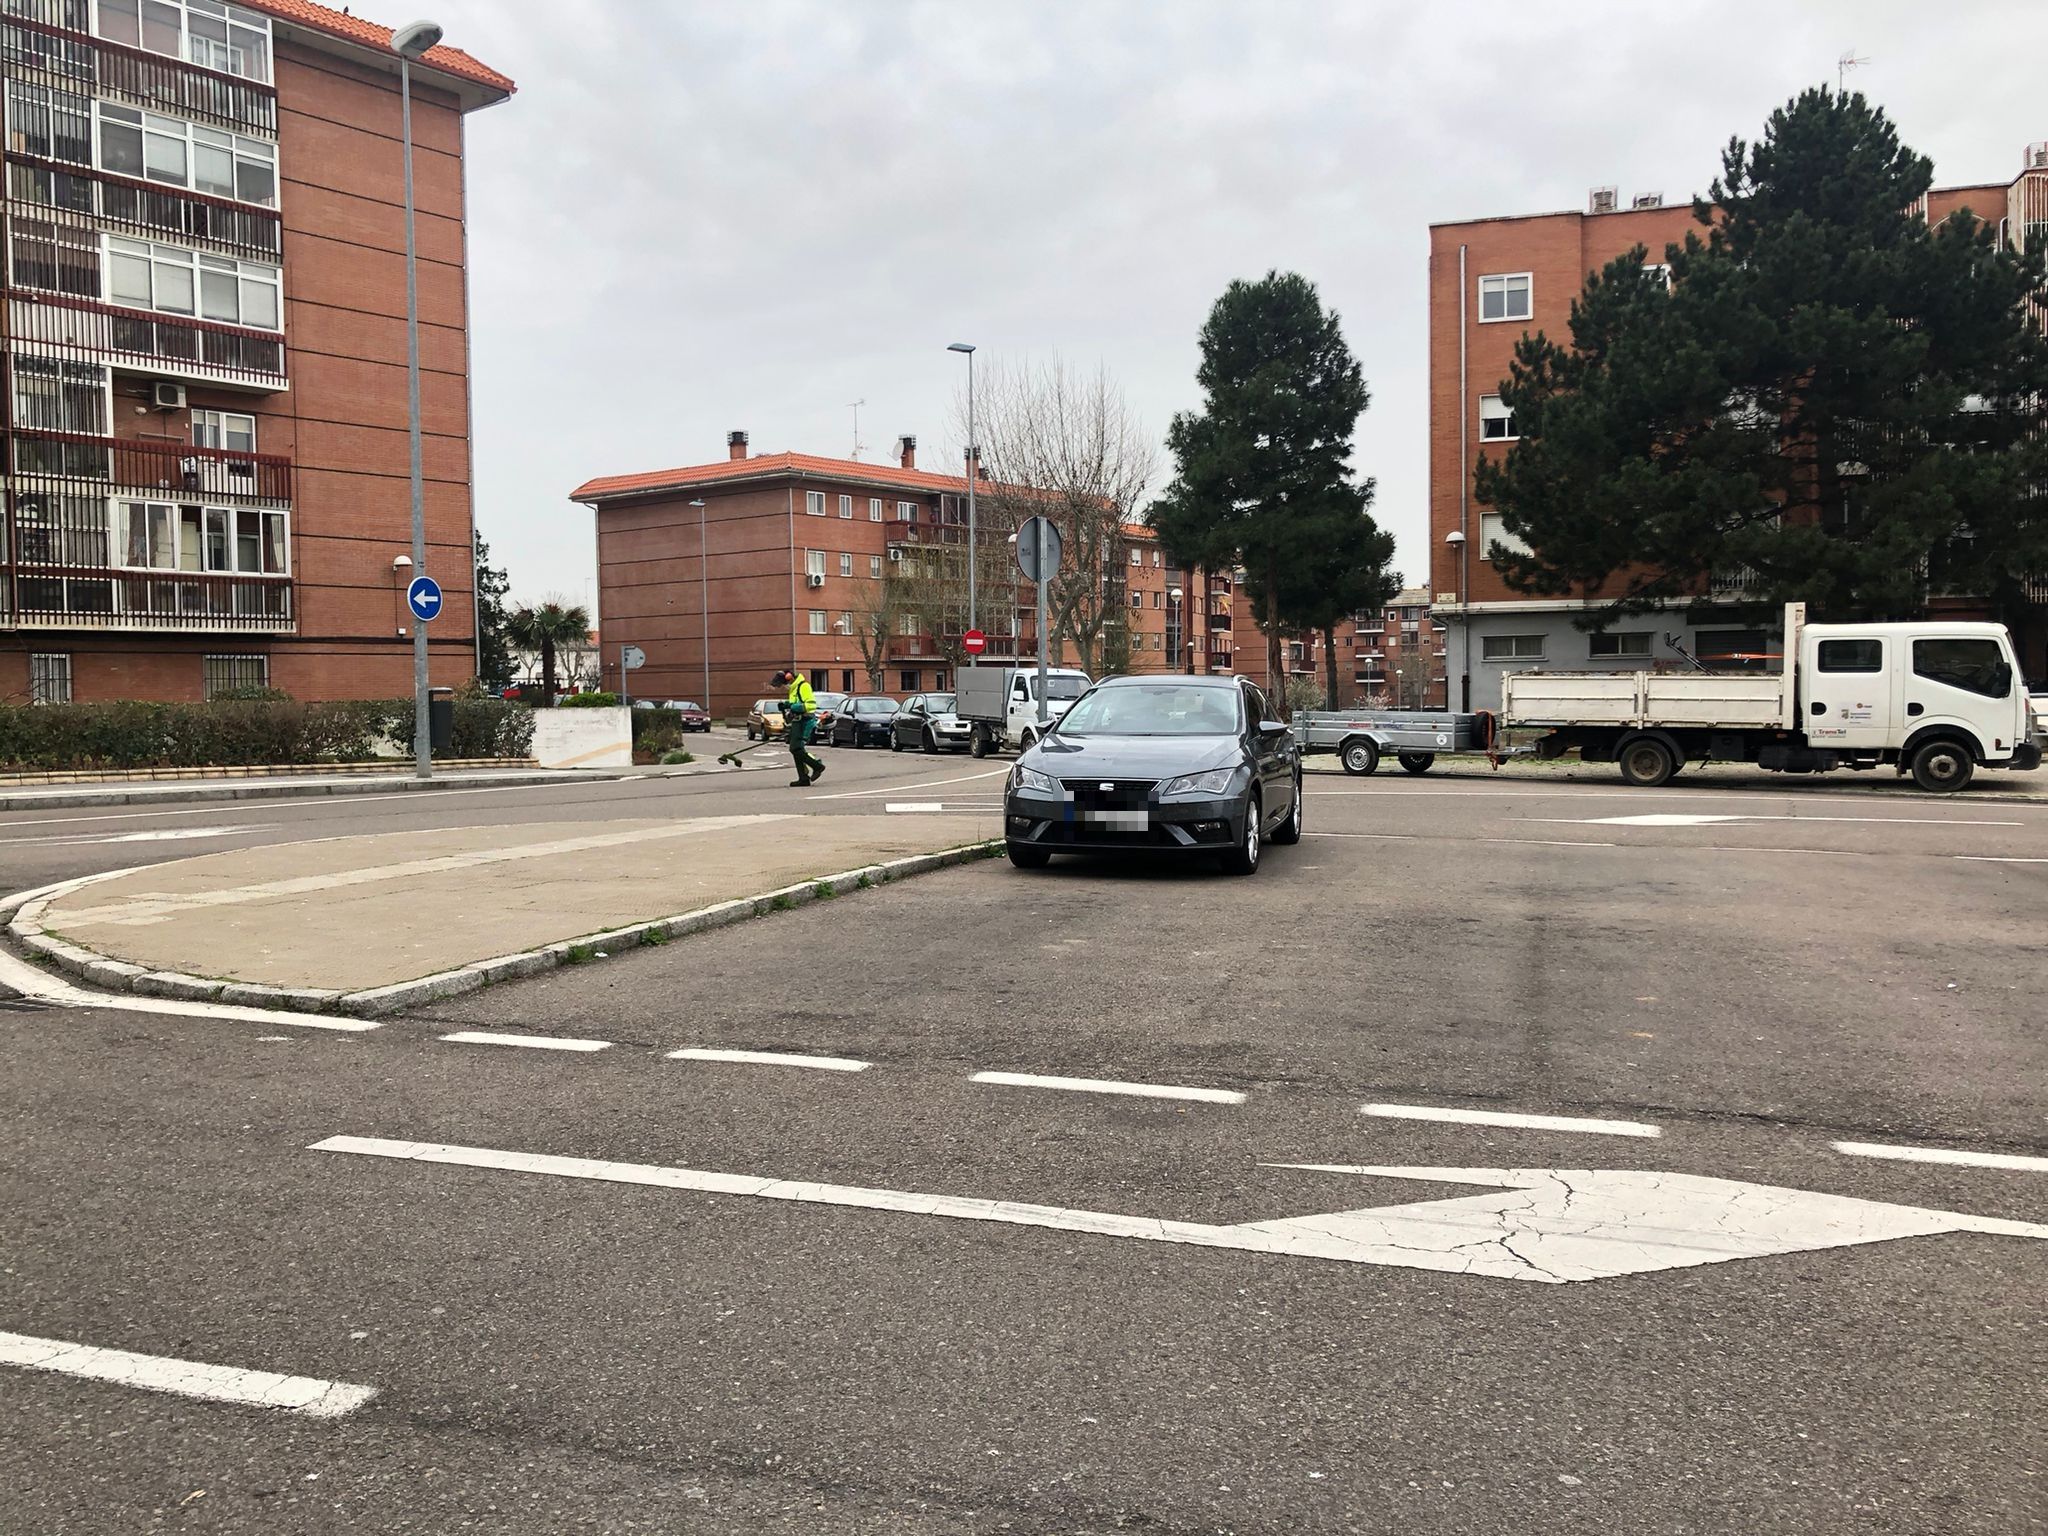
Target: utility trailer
x,y
1361,737
1931,699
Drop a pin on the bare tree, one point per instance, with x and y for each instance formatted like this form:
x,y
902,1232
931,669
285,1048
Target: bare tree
x,y
930,582
1066,446
875,617
1416,675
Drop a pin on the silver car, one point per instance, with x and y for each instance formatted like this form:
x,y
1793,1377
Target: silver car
x,y
927,724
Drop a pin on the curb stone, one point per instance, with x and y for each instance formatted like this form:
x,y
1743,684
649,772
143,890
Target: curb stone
x,y
121,976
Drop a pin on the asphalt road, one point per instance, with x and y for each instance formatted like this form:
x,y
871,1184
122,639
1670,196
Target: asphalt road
x,y
554,1349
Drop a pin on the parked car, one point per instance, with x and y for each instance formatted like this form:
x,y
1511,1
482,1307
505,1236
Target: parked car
x,y
695,716
864,721
1177,764
765,719
829,705
927,723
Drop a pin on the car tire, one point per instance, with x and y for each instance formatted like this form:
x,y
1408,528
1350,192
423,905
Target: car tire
x,y
931,742
977,743
1418,762
1360,756
895,742
1943,767
1289,831
1244,858
1027,855
1646,762
750,733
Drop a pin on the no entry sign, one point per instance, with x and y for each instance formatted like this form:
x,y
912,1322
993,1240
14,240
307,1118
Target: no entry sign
x,y
974,642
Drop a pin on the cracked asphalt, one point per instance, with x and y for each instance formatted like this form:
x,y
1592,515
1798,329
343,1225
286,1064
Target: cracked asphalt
x,y
555,1353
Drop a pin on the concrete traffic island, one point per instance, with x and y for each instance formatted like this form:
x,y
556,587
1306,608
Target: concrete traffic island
x,y
374,925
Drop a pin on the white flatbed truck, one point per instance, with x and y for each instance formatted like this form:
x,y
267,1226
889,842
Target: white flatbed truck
x,y
1000,704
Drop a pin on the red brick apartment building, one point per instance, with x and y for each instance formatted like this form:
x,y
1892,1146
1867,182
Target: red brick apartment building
x,y
783,555
1492,279
206,474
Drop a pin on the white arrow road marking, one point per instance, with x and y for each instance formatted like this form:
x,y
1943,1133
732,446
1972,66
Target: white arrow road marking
x,y
306,1395
1552,1225
166,835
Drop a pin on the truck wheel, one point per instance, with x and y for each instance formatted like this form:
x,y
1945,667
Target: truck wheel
x,y
1647,762
1028,855
1943,767
1418,762
977,742
1027,741
1360,755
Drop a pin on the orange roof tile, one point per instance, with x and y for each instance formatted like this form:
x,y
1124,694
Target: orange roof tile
x,y
764,465
322,18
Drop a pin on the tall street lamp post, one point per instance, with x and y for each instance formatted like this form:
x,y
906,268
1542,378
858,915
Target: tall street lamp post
x,y
973,474
410,43
704,596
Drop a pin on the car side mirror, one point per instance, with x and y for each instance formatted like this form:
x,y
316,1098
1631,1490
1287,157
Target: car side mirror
x,y
1272,727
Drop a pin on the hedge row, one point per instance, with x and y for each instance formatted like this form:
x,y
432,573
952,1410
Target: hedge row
x,y
60,738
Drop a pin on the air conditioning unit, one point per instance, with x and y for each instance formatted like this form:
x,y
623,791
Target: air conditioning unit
x,y
895,554
1603,200
816,582
1647,200
2037,157
167,397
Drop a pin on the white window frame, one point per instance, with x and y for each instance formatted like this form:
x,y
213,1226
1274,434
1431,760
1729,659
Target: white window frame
x,y
64,367
907,624
45,669
1513,648
818,621
234,524
814,562
874,509
874,567
845,563
190,137
906,511
1493,529
43,98
1637,648
1500,282
198,264
846,507
1500,413
218,425
230,16
814,503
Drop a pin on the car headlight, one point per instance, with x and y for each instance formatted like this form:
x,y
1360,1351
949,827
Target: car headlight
x,y
1031,779
1217,781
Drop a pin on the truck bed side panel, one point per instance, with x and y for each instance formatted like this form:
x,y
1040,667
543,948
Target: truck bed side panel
x,y
1675,700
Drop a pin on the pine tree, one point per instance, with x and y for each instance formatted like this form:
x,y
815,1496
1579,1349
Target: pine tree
x,y
1827,396
494,661
1262,471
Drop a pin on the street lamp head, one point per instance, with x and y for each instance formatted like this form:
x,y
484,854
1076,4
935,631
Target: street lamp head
x,y
698,502
1454,537
958,346
402,563
416,39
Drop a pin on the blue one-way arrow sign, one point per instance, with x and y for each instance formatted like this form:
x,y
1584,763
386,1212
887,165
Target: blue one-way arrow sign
x,y
423,597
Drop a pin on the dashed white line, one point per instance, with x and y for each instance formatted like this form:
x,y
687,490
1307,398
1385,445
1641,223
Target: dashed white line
x,y
306,1395
1985,858
907,807
1700,821
1942,1155
1418,837
897,789
532,1042
1107,1085
771,1059
1506,1118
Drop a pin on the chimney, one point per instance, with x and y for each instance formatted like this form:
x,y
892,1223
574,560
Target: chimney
x,y
735,445
906,449
974,469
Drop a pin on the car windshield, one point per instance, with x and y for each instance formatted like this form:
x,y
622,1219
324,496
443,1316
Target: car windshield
x,y
939,704
874,706
683,704
1153,710
1065,687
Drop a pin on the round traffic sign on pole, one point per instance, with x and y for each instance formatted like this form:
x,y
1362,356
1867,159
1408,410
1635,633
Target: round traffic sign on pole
x,y
423,597
1038,549
974,642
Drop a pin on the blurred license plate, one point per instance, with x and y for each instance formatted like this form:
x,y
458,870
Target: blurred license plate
x,y
1121,821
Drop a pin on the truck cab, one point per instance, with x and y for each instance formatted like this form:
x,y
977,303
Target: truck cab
x,y
1000,704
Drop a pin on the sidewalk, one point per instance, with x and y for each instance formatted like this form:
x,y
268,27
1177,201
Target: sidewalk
x,y
372,924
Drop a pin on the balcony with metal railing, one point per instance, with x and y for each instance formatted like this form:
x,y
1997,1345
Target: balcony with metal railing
x,y
36,597
64,193
47,41
90,331
164,471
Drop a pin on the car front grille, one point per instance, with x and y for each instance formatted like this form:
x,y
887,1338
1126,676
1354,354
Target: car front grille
x,y
1110,795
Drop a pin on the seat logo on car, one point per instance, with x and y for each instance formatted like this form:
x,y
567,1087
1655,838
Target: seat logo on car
x,y
1105,787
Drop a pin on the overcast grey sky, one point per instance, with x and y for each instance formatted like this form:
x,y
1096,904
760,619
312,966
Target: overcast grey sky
x,y
702,215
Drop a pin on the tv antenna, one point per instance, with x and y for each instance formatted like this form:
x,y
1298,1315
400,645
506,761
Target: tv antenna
x,y
1843,65
858,446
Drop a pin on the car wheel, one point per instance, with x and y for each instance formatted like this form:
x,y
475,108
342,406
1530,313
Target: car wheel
x,y
750,733
895,742
1244,858
1647,762
1028,855
1418,762
1943,767
931,742
1289,831
977,743
1360,755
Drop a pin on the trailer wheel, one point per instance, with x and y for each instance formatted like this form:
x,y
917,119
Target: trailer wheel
x,y
1647,762
1360,755
1418,762
977,742
1943,767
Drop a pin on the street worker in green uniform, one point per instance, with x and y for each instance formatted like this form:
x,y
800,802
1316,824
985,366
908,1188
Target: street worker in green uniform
x,y
800,719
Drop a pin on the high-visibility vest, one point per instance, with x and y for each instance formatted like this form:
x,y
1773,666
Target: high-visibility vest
x,y
801,696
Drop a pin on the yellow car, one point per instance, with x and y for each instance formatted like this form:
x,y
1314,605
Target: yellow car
x,y
765,720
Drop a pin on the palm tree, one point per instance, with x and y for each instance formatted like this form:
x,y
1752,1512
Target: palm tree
x,y
542,629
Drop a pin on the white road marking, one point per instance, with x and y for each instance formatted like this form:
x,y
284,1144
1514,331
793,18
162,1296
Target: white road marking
x,y
1110,1085
162,835
1700,821
1653,821
771,1059
897,789
1942,1155
906,807
45,988
1549,1225
1985,858
532,1042
307,1395
304,802
1502,1117
1420,837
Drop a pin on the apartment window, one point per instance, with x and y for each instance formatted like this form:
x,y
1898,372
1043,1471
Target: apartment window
x,y
1158,599
49,124
1137,557
906,511
155,536
208,33
814,562
53,396
907,625
55,257
60,529
1137,599
1504,296
908,681
814,503
1658,272
817,621
1628,642
165,278
874,509
1496,421
181,154
49,679
1493,530
875,567
1155,559
227,430
846,565
846,680
234,674
846,506
846,623
1511,647
819,675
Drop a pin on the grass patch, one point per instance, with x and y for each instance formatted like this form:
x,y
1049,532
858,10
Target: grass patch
x,y
866,882
654,938
580,954
823,890
677,759
782,904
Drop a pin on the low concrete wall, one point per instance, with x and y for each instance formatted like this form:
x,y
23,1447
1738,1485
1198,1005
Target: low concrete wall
x,y
583,738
